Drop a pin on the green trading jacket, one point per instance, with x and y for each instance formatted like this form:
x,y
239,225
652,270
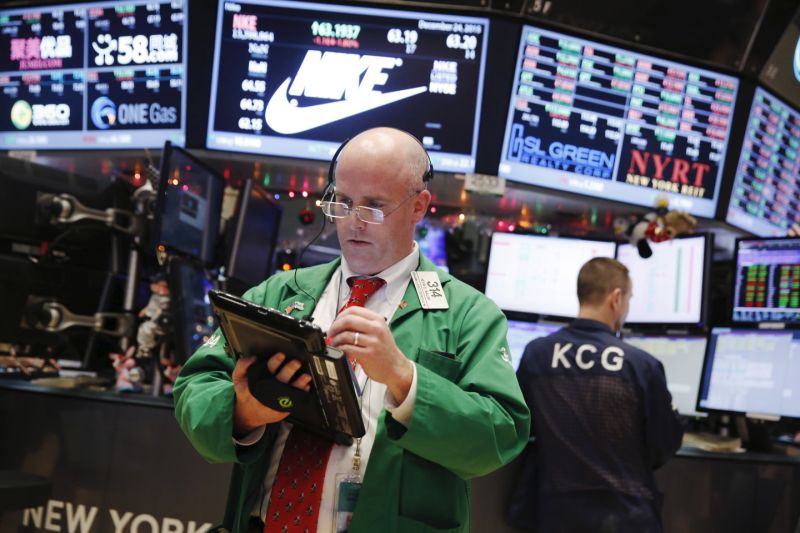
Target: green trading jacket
x,y
469,417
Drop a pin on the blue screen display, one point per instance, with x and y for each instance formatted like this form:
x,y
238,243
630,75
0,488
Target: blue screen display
x,y
92,76
765,199
594,119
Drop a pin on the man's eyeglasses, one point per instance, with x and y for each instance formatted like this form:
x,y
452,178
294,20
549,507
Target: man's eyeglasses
x,y
369,215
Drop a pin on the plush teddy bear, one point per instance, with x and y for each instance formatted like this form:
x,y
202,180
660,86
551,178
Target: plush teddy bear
x,y
657,226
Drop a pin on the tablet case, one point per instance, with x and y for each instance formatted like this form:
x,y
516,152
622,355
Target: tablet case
x,y
331,408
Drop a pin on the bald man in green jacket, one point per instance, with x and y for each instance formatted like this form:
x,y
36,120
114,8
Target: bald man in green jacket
x,y
443,402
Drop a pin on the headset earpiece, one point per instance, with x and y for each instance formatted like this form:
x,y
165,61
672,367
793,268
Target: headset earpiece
x,y
426,178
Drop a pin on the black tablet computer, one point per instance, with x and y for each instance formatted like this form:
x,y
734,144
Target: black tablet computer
x,y
331,408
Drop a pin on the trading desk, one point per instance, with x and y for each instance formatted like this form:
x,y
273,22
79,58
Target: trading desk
x,y
116,462
121,460
704,492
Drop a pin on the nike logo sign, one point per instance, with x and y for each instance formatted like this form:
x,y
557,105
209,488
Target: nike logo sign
x,y
287,117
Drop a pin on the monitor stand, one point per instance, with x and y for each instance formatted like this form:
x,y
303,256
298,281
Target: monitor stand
x,y
757,436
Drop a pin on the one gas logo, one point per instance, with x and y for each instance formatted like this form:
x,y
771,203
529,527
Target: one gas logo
x,y
21,114
104,113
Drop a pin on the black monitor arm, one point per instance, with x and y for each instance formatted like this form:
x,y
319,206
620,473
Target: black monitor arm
x,y
62,208
49,315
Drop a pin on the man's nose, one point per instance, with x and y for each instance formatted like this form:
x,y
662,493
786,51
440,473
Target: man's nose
x,y
355,219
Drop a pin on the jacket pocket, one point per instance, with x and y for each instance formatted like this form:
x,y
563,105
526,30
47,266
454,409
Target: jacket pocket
x,y
441,363
432,498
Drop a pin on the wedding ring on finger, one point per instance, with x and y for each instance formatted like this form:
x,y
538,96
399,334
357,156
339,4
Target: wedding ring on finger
x,y
355,339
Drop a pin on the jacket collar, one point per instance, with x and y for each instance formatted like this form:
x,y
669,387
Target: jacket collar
x,y
590,325
307,288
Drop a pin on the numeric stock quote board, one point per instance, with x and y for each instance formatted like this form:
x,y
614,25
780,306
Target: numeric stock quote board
x,y
95,75
594,119
296,79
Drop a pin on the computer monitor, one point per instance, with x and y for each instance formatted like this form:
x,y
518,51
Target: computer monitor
x,y
100,75
782,70
764,197
598,120
189,205
755,372
432,245
682,358
295,79
520,333
251,236
193,319
669,286
538,274
767,284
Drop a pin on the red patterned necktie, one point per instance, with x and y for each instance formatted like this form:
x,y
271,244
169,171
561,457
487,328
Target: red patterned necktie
x,y
361,289
297,490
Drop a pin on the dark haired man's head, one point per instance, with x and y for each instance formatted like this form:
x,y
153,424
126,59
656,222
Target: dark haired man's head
x,y
604,291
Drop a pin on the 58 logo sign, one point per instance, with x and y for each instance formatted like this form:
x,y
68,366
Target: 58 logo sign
x,y
135,49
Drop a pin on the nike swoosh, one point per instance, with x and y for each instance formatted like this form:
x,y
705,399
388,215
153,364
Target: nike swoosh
x,y
283,117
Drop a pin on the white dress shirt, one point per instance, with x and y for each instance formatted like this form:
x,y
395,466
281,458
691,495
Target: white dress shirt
x,y
375,396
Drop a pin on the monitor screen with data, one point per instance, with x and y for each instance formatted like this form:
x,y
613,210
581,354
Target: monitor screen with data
x,y
668,287
753,372
765,198
682,358
93,76
188,206
594,119
520,333
295,79
538,274
767,283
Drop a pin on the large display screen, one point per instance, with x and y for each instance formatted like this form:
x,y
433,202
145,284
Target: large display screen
x,y
295,79
95,75
754,372
765,198
767,281
668,286
520,333
594,119
782,70
682,358
537,274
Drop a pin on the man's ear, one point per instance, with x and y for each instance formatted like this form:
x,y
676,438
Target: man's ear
x,y
421,203
615,298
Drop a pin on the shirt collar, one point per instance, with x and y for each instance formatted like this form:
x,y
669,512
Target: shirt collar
x,y
396,276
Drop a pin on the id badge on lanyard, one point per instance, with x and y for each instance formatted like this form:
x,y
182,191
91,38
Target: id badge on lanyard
x,y
348,487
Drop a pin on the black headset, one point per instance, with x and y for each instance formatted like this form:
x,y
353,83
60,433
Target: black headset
x,y
427,177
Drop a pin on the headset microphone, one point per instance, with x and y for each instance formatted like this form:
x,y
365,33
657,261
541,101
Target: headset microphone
x,y
426,178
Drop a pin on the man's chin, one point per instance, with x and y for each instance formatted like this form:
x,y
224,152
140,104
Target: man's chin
x,y
359,262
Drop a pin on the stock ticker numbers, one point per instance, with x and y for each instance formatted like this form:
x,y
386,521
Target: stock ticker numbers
x,y
95,75
293,79
766,193
767,280
603,120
